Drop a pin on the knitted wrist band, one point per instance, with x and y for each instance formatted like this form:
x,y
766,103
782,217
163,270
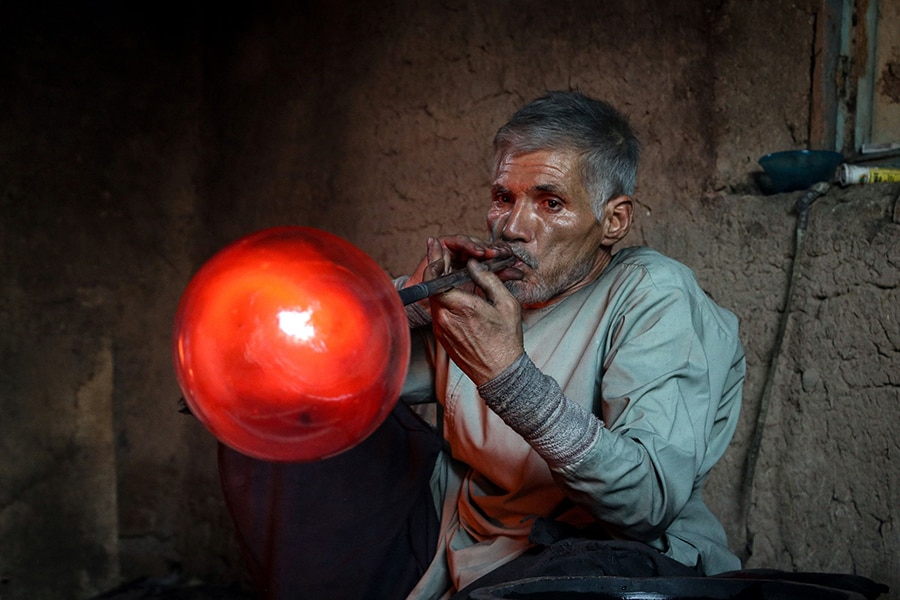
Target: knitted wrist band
x,y
533,405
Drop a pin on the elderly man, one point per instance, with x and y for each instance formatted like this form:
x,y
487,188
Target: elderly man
x,y
584,397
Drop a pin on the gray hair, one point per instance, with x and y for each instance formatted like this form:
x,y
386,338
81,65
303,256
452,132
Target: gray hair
x,y
571,121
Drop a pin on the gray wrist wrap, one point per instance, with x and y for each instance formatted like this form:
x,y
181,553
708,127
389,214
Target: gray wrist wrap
x,y
416,316
533,405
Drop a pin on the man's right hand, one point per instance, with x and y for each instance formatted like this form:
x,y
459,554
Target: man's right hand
x,y
451,253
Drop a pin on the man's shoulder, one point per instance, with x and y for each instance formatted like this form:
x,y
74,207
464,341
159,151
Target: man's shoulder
x,y
656,267
642,274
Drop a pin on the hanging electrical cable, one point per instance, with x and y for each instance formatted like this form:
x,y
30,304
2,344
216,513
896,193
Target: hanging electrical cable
x,y
801,208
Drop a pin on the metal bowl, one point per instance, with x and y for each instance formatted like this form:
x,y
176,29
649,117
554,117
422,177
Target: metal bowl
x,y
793,170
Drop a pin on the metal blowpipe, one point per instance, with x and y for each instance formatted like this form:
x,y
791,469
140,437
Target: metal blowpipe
x,y
420,291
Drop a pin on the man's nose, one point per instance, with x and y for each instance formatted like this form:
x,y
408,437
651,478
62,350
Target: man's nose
x,y
516,225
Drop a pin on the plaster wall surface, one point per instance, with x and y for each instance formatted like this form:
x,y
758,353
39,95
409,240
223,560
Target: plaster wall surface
x,y
135,142
885,128
824,492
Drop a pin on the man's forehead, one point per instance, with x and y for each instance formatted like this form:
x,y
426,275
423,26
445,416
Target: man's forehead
x,y
542,167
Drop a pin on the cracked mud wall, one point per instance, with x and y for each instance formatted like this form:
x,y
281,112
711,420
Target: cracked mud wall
x,y
134,143
826,486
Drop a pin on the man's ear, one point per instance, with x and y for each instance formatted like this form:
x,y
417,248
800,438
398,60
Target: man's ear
x,y
617,216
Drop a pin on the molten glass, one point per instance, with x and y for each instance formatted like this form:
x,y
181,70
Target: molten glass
x,y
291,344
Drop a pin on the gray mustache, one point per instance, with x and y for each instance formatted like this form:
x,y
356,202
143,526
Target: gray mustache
x,y
523,256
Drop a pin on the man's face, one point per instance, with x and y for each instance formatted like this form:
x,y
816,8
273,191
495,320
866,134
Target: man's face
x,y
540,207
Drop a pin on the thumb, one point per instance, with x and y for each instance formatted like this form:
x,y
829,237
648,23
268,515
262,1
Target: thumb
x,y
437,260
433,270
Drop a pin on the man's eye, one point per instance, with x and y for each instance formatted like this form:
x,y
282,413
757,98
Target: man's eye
x,y
553,203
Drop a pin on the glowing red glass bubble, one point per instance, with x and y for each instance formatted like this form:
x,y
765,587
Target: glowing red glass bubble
x,y
290,344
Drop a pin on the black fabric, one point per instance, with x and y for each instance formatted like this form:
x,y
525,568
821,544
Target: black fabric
x,y
840,581
358,525
563,551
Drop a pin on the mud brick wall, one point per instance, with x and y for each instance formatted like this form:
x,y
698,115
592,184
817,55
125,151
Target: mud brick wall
x,y
137,140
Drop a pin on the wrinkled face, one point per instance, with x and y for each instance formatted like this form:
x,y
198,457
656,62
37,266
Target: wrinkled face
x,y
540,207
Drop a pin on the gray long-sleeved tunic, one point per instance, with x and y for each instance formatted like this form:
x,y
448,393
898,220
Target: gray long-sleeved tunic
x,y
655,365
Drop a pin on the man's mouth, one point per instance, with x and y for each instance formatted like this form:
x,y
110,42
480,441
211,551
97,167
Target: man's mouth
x,y
525,259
